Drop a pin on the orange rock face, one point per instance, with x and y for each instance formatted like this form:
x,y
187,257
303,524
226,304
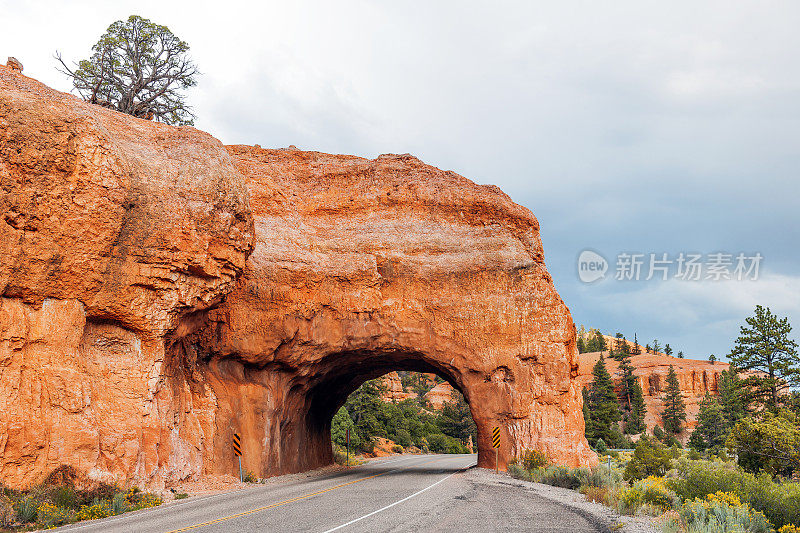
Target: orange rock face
x,y
440,395
695,377
160,292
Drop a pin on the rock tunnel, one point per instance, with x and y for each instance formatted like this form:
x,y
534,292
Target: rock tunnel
x,y
160,291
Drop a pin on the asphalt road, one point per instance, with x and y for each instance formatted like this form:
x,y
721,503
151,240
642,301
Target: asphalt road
x,y
406,493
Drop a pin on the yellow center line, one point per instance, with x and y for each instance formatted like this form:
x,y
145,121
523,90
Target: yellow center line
x,y
296,499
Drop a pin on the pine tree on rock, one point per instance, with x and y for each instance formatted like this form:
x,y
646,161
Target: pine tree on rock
x,y
637,350
674,414
656,346
668,349
603,408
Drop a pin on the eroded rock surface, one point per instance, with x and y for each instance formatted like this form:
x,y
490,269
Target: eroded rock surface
x,y
138,331
695,377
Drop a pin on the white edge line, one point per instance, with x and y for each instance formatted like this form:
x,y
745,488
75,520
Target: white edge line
x,y
395,503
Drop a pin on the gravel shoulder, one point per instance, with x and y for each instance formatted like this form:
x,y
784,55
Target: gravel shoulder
x,y
577,502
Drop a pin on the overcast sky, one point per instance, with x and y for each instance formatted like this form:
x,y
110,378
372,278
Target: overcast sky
x,y
639,127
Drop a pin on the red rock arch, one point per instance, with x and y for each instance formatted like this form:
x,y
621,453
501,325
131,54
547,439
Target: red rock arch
x,y
159,291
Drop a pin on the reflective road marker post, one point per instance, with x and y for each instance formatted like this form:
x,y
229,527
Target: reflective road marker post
x,y
237,449
496,445
347,461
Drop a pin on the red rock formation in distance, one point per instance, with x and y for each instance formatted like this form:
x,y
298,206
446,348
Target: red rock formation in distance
x,y
695,377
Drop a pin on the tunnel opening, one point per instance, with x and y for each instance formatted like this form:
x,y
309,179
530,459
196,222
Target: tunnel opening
x,y
355,371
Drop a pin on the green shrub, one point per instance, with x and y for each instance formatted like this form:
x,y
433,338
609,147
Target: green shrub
x,y
8,514
601,477
649,459
26,509
249,477
561,476
532,459
397,448
339,455
181,495
722,514
49,515
698,479
600,446
403,438
65,496
120,504
653,492
780,502
516,471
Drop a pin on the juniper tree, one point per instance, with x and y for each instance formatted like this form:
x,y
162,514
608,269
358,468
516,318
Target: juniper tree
x,y
674,414
139,68
667,349
765,349
711,358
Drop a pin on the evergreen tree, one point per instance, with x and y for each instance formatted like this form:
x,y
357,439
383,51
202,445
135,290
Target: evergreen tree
x,y
647,348
364,407
764,346
637,350
712,426
712,358
581,345
656,346
680,354
602,406
732,394
674,414
455,419
339,425
627,381
596,342
619,346
635,423
667,349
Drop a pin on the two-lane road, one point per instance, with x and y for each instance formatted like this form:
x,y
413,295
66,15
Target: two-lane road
x,y
407,493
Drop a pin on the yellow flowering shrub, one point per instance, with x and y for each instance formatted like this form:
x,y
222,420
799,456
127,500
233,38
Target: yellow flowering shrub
x,y
90,512
789,528
727,498
652,491
720,511
49,515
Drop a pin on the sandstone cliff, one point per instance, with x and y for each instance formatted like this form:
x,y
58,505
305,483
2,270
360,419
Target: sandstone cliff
x,y
696,379
138,331
114,232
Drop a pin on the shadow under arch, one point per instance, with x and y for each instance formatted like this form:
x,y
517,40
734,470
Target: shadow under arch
x,y
341,373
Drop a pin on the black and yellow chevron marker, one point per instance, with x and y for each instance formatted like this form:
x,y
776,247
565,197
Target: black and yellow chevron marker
x,y
237,444
496,437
